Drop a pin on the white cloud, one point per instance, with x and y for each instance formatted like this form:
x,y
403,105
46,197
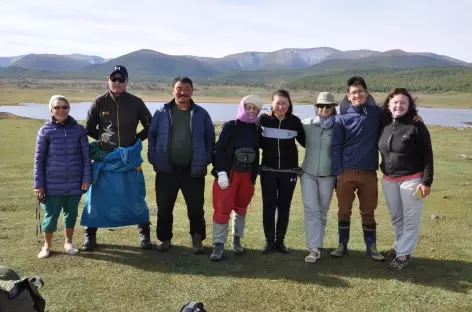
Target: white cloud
x,y
220,27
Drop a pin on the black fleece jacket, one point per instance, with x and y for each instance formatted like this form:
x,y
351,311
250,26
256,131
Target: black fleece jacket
x,y
406,149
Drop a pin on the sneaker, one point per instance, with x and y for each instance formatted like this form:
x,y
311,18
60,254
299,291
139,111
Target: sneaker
x,y
163,246
391,253
237,247
313,256
398,264
44,253
70,249
217,254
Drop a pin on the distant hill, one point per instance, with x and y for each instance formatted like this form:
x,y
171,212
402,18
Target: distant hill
x,y
152,63
90,59
51,62
8,60
251,68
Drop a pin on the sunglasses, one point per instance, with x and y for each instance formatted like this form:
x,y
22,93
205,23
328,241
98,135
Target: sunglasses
x,y
120,80
63,107
324,106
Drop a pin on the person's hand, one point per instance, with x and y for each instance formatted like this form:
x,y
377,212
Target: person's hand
x,y
418,118
425,190
85,186
39,193
269,112
223,181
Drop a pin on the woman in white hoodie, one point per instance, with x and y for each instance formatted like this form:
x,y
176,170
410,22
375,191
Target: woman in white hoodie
x,y
318,181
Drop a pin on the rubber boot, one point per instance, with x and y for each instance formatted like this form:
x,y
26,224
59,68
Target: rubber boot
x,y
370,235
344,228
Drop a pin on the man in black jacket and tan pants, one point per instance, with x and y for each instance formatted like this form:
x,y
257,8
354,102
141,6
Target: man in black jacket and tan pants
x,y
113,119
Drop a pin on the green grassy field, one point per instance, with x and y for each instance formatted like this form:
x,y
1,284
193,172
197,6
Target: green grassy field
x,y
121,277
86,91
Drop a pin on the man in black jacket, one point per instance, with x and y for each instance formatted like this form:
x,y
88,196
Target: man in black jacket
x,y
113,120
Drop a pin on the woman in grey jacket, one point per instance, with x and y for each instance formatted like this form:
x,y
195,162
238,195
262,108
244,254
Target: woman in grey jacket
x,y
318,181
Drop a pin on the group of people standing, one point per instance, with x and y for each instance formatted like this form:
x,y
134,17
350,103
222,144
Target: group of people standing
x,y
341,154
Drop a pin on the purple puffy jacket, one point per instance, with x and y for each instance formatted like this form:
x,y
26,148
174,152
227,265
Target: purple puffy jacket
x,y
62,158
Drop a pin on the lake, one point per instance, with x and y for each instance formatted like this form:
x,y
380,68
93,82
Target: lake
x,y
227,111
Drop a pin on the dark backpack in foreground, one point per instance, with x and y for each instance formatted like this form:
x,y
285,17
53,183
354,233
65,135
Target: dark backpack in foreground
x,y
20,294
193,307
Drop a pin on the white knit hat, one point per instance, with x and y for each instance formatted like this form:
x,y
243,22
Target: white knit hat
x,y
57,97
254,99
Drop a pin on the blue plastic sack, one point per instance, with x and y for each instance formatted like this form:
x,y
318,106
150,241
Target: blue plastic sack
x,y
117,195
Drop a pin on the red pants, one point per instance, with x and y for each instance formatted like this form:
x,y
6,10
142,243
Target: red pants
x,y
237,196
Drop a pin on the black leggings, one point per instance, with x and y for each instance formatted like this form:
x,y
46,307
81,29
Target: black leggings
x,y
277,192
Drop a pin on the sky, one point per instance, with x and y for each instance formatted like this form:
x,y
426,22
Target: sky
x,y
217,28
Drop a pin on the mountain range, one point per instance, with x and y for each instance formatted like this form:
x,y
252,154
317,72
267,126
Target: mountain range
x,y
152,63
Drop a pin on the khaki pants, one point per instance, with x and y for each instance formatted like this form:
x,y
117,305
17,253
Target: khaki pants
x,y
365,182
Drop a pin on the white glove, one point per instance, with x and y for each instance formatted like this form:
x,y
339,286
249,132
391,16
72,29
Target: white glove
x,y
223,180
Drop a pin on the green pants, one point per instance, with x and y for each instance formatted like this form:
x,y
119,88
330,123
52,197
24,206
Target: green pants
x,y
52,209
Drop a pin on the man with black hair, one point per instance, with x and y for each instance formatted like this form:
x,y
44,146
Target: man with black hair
x,y
181,145
355,163
112,120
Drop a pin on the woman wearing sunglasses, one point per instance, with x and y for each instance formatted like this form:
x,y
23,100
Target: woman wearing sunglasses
x,y
317,180
62,172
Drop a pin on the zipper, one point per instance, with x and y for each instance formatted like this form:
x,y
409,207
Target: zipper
x,y
117,118
319,151
191,117
170,138
67,159
389,147
278,143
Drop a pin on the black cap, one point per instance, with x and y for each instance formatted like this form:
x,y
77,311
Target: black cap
x,y
120,69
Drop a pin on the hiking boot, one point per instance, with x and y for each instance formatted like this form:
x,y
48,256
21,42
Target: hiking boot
x,y
163,246
237,247
217,254
344,228
280,246
268,247
398,264
145,235
145,244
197,245
391,253
370,243
90,243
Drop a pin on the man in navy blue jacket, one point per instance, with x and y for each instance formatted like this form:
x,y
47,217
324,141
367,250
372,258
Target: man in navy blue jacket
x,y
181,144
355,162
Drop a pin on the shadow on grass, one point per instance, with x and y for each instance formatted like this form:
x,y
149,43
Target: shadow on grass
x,y
330,272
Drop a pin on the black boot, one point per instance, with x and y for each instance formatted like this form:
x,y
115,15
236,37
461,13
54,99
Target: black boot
x,y
90,241
268,247
280,246
344,228
197,244
145,236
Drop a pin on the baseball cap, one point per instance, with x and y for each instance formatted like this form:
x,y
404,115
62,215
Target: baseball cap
x,y
119,69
